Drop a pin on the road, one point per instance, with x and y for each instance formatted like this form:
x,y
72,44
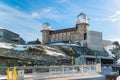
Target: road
x,y
98,78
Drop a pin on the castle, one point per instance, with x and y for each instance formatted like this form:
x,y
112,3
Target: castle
x,y
75,34
90,39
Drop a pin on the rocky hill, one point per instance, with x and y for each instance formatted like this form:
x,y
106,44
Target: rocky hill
x,y
114,51
18,55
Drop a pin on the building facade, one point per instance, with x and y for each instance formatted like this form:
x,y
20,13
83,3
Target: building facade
x,y
94,40
107,43
75,34
10,37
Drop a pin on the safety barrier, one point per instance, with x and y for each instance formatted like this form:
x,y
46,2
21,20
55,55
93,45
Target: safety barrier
x,y
46,72
64,71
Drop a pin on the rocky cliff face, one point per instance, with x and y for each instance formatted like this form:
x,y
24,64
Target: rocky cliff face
x,y
44,55
10,57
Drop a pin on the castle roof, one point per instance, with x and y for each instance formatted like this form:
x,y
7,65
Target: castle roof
x,y
63,30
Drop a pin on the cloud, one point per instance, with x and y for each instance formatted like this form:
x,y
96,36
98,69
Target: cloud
x,y
19,22
49,13
42,12
35,14
115,17
116,39
1,27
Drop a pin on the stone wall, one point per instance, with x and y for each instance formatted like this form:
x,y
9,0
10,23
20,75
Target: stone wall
x,y
94,40
107,43
75,34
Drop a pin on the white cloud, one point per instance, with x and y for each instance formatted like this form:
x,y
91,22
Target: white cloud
x,y
19,22
42,12
116,39
48,12
1,27
35,14
115,17
118,12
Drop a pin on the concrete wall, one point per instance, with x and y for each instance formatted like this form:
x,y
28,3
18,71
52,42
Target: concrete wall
x,y
75,34
107,43
94,40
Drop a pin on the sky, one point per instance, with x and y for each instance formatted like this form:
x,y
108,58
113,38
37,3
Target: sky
x,y
26,17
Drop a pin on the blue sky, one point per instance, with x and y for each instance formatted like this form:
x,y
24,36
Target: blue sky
x,y
25,17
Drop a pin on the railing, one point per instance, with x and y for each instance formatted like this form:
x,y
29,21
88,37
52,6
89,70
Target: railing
x,y
46,72
64,71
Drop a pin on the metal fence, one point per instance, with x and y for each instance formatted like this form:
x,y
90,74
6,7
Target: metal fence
x,y
46,72
63,71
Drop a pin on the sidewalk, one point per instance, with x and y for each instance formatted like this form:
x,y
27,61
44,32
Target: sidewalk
x,y
81,77
78,77
92,76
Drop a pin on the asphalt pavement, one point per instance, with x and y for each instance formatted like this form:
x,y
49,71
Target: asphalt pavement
x,y
99,78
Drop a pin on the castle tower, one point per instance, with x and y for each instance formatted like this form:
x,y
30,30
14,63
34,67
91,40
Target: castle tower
x,y
82,25
46,27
